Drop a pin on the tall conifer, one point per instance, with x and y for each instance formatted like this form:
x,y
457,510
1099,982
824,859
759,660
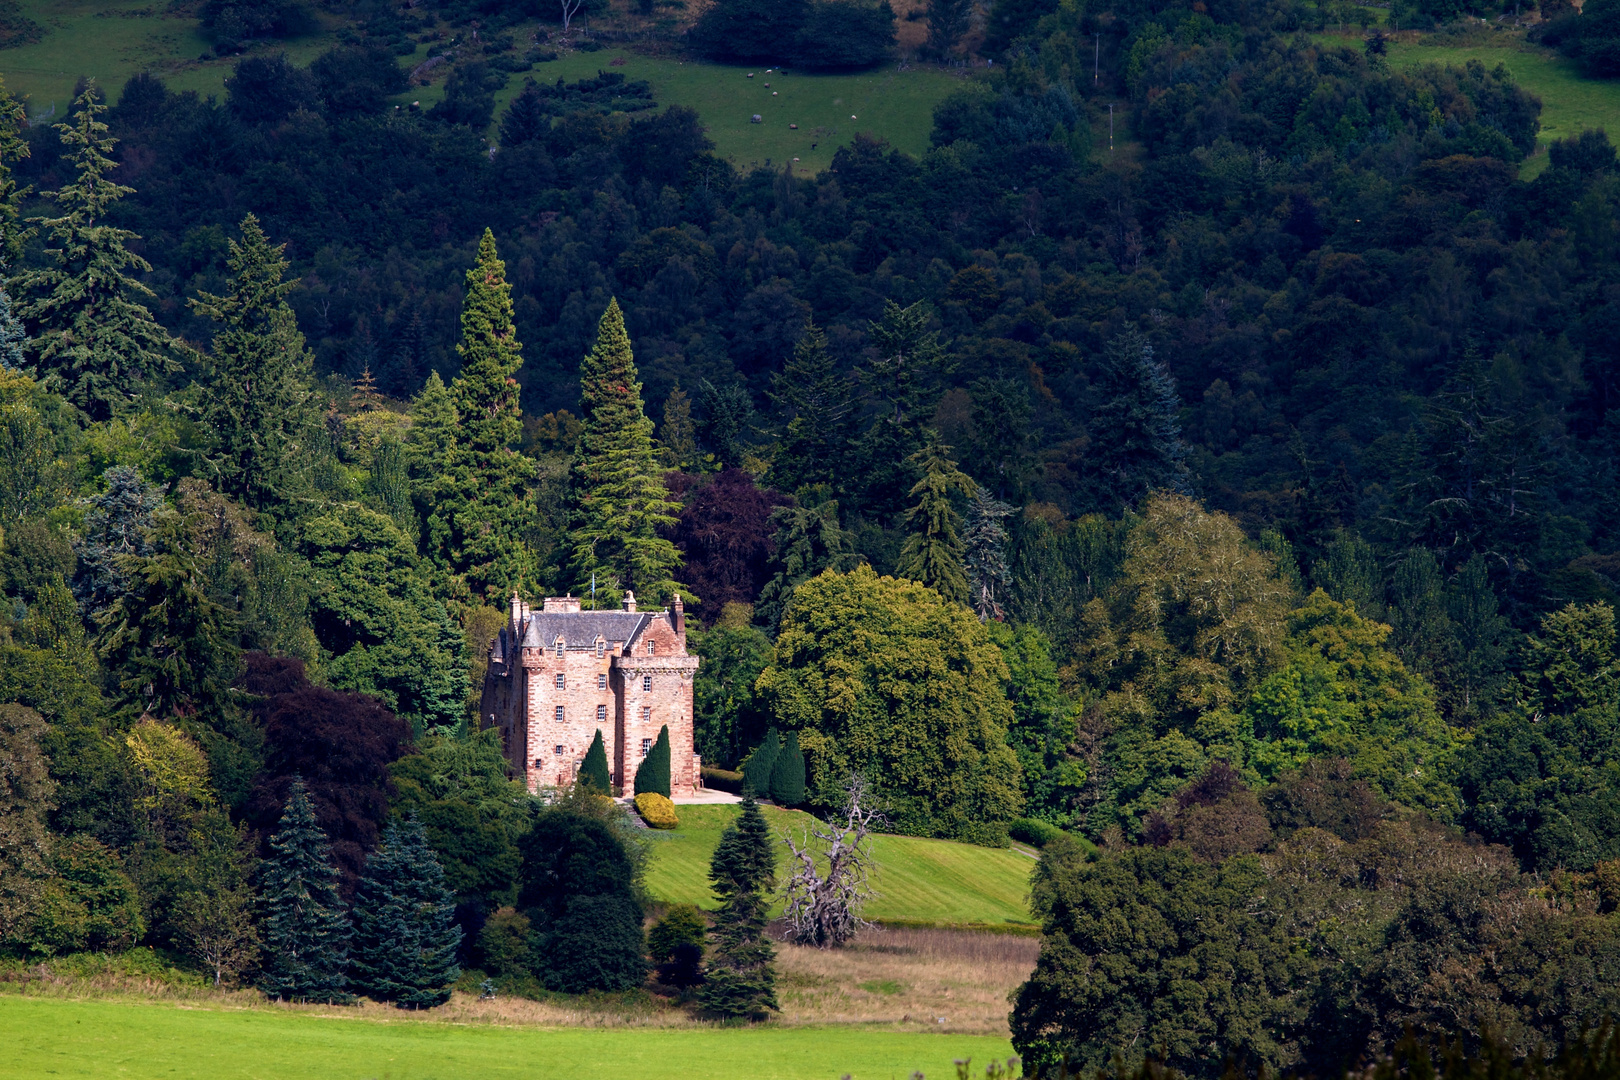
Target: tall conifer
x,y
621,502
306,932
257,376
595,769
787,773
820,402
741,979
985,554
932,555
93,342
484,498
405,936
653,775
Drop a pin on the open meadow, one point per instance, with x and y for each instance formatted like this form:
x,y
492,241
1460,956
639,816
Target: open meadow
x,y
918,882
56,1036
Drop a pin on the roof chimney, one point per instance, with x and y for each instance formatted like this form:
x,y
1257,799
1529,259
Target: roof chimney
x,y
517,610
678,614
629,600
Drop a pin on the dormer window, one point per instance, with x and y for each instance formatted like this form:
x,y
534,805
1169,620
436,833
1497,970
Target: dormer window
x,y
652,648
560,647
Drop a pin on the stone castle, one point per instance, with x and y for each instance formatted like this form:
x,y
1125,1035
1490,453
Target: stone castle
x,y
559,675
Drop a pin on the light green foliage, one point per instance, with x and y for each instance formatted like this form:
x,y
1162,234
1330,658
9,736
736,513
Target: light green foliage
x,y
1571,665
93,343
483,510
883,677
387,634
471,811
254,399
1344,693
89,902
620,499
36,435
932,555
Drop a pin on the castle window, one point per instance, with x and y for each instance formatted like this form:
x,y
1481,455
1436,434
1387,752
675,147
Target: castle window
x,y
559,751
601,680
559,714
646,682
539,761
560,647
652,648
601,648
646,714
601,714
646,747
562,683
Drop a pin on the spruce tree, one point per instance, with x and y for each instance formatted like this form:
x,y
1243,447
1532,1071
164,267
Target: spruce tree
x,y
257,377
741,980
1136,432
93,342
818,398
527,118
594,771
932,554
761,763
621,502
483,499
13,148
306,932
653,775
13,338
678,435
787,773
405,936
985,554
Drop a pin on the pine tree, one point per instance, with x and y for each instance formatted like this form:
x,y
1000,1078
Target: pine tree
x,y
932,554
653,775
985,554
92,342
527,118
787,773
1422,635
678,435
819,401
761,764
482,500
741,980
257,376
904,381
1136,432
621,502
405,936
306,932
594,772
948,20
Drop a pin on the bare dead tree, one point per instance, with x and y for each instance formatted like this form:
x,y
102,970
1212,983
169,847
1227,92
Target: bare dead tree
x,y
823,908
569,9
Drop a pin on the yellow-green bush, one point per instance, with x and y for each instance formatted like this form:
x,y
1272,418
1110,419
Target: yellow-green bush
x,y
656,811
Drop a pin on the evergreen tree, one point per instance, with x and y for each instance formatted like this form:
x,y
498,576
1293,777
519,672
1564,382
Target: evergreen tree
x,y
433,428
678,435
306,932
787,773
741,980
621,502
13,338
13,148
482,501
93,343
1348,571
1136,433
405,937
903,385
817,398
1473,686
1422,635
594,771
948,20
932,555
808,540
761,764
653,775
115,527
985,554
257,373
527,118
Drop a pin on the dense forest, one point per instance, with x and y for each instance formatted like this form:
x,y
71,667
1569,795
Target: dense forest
x,y
1230,512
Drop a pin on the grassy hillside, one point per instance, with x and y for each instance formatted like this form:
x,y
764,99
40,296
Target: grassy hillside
x,y
918,881
52,1036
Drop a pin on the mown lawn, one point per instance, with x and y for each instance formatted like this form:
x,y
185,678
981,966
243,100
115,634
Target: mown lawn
x,y
931,882
56,1037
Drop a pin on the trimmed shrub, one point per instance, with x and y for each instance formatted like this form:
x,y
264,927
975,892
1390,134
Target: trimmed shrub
x,y
787,774
723,780
1032,831
595,769
757,769
676,945
657,811
653,775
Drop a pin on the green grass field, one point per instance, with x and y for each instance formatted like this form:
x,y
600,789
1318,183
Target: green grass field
x,y
133,1040
110,41
931,882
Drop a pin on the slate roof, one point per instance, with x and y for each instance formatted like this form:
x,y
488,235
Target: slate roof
x,y
580,629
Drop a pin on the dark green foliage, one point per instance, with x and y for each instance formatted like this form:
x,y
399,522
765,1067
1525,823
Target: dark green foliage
x,y
726,714
306,929
231,23
467,97
1136,430
676,944
89,902
741,979
817,400
808,541
594,772
92,342
652,775
115,527
759,766
404,940
787,773
503,943
1042,731
932,555
839,34
984,555
579,892
948,21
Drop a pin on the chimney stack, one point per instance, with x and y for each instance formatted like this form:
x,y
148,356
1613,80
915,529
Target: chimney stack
x,y
678,614
517,611
629,600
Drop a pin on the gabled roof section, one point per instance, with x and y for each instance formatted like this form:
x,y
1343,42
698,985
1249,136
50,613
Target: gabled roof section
x,y
580,629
